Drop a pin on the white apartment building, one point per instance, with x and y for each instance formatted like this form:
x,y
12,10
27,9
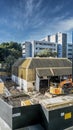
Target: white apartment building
x,y
37,46
61,40
30,49
27,49
57,43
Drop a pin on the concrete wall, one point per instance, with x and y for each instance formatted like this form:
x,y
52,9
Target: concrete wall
x,y
21,82
37,83
57,119
6,112
19,117
26,116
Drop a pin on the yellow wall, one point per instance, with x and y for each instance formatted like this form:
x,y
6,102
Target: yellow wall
x,y
31,75
22,73
25,63
25,73
1,88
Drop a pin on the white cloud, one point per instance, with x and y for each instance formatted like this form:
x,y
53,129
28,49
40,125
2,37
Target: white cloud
x,y
63,25
59,24
26,15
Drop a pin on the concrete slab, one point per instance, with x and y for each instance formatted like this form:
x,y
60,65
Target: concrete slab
x,y
3,125
34,127
70,128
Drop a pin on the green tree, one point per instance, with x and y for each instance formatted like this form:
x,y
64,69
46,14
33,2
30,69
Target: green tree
x,y
9,61
46,53
12,48
9,52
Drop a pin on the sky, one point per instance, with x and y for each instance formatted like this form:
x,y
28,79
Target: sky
x,y
27,20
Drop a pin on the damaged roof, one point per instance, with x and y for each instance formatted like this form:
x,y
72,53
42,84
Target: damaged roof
x,y
56,71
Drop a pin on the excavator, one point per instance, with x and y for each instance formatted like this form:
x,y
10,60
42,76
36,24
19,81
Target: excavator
x,y
64,87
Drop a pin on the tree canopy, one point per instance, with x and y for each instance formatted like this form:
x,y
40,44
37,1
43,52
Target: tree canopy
x,y
11,48
46,53
9,52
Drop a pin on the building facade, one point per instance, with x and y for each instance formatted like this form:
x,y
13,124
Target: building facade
x,y
61,40
57,43
30,49
27,49
69,51
37,46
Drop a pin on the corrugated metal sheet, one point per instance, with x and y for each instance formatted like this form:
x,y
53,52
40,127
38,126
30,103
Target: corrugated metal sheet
x,y
44,72
49,62
55,71
62,71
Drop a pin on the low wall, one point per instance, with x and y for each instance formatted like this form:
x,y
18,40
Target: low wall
x,y
26,116
58,119
6,112
18,117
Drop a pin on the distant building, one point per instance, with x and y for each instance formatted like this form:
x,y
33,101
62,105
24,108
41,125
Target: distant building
x,y
69,51
57,43
37,46
27,49
61,40
30,49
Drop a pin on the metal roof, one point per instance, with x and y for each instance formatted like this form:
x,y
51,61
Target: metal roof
x,y
43,62
49,62
62,71
55,71
44,72
18,62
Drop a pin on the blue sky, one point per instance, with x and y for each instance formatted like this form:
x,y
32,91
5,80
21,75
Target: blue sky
x,y
22,20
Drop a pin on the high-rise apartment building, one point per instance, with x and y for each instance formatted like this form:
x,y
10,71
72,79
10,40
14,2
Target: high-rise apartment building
x,y
61,40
